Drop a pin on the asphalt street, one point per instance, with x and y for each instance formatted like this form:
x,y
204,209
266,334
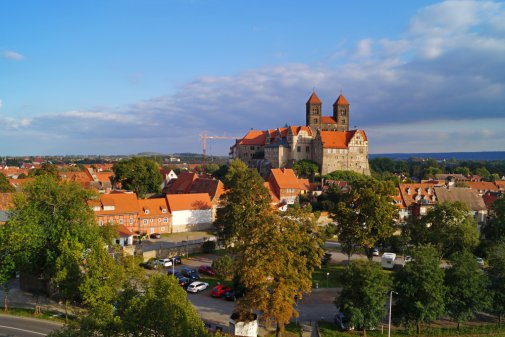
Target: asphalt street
x,y
12,326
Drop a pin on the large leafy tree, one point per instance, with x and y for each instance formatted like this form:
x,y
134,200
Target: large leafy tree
x,y
5,186
52,234
138,174
450,227
466,286
242,204
496,272
362,299
306,168
420,287
148,307
45,169
494,229
365,215
275,261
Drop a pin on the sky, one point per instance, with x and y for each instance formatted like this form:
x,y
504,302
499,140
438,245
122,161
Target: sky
x,y
122,77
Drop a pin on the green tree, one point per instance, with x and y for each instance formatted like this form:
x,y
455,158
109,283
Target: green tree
x,y
275,261
483,173
44,170
462,170
306,168
496,273
51,234
420,287
494,228
5,185
242,204
223,267
362,299
450,227
7,266
430,172
466,286
138,174
364,216
155,307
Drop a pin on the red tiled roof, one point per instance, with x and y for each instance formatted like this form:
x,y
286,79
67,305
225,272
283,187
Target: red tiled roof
x,y
285,178
213,187
104,176
339,139
328,120
183,183
295,130
500,184
341,100
313,99
154,205
482,186
253,137
184,202
122,202
275,198
410,199
123,231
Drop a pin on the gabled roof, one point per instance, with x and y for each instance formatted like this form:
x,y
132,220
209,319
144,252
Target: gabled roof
x,y
253,137
213,187
104,176
182,184
500,184
122,202
271,191
482,186
339,139
341,100
285,178
185,202
328,120
295,130
154,205
313,99
426,190
467,196
123,231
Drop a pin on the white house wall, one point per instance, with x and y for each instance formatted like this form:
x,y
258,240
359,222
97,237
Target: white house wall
x,y
187,220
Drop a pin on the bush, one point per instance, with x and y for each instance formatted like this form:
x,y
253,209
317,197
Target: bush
x,y
209,246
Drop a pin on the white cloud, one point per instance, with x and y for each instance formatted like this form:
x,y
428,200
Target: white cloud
x,y
12,55
364,48
1,103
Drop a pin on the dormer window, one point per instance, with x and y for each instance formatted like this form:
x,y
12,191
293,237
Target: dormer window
x,y
409,191
163,210
418,190
433,198
146,211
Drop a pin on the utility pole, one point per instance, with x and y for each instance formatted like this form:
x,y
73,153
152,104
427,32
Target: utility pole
x,y
390,305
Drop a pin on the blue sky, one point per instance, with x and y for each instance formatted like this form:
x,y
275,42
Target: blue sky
x,y
119,77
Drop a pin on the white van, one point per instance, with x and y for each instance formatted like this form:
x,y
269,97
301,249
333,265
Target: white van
x,y
388,260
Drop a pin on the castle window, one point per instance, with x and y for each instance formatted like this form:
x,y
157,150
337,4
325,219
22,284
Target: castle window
x,y
298,149
315,121
252,148
307,149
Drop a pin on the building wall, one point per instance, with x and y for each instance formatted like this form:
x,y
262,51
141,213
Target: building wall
x,y
188,218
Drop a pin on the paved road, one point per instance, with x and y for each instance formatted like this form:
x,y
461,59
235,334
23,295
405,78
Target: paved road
x,y
11,326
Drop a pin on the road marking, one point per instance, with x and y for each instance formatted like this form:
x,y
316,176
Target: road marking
x,y
29,331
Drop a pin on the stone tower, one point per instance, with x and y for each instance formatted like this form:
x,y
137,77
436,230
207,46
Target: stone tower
x,y
314,111
341,113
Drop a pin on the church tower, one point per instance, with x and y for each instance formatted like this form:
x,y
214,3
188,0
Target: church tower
x,y
341,113
313,113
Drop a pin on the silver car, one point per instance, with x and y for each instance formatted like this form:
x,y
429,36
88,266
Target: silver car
x,y
196,287
164,262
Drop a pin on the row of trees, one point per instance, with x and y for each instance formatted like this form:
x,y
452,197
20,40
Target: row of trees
x,y
424,291
272,254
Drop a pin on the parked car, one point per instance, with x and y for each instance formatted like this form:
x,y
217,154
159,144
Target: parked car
x,y
407,258
480,261
149,265
176,273
219,290
196,287
191,273
375,252
155,236
176,259
164,262
234,294
204,269
184,282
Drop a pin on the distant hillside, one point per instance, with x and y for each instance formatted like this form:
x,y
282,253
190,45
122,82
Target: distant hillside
x,y
491,155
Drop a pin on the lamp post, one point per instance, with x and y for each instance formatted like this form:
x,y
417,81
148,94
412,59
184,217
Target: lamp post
x,y
390,305
327,276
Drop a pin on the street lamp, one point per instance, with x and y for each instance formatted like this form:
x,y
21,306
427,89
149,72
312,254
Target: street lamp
x,y
327,276
390,305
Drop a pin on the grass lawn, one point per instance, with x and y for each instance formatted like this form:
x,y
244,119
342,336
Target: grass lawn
x,y
330,330
212,281
328,281
291,330
46,315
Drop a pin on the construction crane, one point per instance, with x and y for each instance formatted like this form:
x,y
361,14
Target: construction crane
x,y
203,138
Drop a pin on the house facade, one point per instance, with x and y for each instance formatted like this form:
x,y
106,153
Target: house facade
x,y
325,140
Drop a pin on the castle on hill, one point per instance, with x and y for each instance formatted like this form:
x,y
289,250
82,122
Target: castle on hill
x,y
325,140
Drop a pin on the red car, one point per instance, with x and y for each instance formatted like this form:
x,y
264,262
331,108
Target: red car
x,y
206,270
219,290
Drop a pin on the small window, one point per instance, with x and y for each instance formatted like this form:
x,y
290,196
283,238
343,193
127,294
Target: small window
x,y
120,221
159,219
163,210
298,149
152,230
252,148
130,220
147,211
100,222
162,229
152,220
165,220
307,149
145,222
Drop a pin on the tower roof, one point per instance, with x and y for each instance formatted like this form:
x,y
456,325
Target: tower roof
x,y
341,100
314,99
